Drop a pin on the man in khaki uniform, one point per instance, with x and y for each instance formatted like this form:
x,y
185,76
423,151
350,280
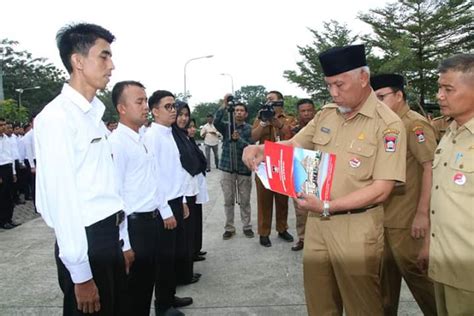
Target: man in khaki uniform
x,y
344,235
451,242
440,124
407,209
275,129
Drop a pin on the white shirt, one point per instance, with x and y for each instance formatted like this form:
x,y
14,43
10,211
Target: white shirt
x,y
21,148
14,146
160,140
6,156
210,139
28,141
136,172
203,196
75,183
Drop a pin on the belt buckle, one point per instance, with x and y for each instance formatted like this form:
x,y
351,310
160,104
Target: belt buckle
x,y
119,217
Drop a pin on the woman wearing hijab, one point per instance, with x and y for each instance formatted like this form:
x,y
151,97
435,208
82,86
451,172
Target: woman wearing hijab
x,y
194,162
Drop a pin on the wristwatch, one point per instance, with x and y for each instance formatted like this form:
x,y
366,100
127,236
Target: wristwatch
x,y
325,215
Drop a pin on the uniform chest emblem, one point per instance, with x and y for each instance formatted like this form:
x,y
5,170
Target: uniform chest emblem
x,y
459,178
325,130
354,163
390,139
420,134
361,136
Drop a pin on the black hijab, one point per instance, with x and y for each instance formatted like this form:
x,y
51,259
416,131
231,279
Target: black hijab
x,y
191,157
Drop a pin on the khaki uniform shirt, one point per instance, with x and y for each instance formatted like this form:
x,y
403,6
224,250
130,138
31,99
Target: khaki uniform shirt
x,y
400,207
440,125
452,209
369,146
274,134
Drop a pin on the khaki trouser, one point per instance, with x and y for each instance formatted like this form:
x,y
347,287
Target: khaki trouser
x,y
453,301
400,254
341,264
301,217
265,210
228,184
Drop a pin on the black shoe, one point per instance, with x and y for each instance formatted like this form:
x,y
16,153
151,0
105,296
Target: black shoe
x,y
7,226
298,246
182,301
228,235
14,224
208,170
249,233
197,275
199,258
286,236
202,253
169,312
265,241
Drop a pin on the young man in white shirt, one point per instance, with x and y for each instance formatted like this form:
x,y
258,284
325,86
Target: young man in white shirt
x,y
172,244
76,184
211,141
7,178
138,186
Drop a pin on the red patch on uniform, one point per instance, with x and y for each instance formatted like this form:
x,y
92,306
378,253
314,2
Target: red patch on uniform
x,y
459,178
390,143
420,134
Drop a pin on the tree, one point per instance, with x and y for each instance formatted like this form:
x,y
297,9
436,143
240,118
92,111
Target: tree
x,y
21,70
414,35
12,112
110,113
202,110
253,97
310,76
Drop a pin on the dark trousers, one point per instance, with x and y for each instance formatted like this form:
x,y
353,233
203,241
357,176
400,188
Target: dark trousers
x,y
143,233
215,149
171,249
31,180
185,267
108,271
265,209
198,229
6,193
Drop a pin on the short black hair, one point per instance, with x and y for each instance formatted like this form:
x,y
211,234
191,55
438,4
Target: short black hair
x,y
278,94
303,101
157,96
242,105
210,115
79,38
111,122
118,88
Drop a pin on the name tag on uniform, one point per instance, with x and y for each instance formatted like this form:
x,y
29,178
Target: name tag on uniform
x,y
325,130
96,140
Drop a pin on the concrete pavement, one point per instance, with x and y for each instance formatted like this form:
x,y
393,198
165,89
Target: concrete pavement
x,y
240,277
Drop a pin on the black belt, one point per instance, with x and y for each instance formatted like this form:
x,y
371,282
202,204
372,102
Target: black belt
x,y
353,211
115,219
145,215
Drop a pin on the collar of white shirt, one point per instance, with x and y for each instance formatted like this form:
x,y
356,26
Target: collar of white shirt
x,y
78,99
122,128
161,128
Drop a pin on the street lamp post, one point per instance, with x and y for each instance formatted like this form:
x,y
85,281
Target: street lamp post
x,y
20,92
231,80
185,65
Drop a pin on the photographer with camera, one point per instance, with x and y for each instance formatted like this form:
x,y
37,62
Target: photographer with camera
x,y
236,179
273,125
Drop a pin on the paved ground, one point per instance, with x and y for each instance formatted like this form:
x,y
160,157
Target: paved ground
x,y
240,277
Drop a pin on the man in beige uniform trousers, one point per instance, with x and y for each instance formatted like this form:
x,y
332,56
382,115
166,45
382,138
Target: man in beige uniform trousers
x,y
407,209
344,236
451,242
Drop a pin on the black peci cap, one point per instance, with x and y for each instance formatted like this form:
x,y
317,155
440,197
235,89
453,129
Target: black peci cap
x,y
387,80
341,59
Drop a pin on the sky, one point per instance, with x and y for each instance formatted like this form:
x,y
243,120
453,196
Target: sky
x,y
253,41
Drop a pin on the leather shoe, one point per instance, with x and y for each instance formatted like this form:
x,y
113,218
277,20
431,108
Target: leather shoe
x,y
182,301
265,241
228,235
202,253
197,275
249,233
286,236
14,224
7,226
199,258
169,312
298,246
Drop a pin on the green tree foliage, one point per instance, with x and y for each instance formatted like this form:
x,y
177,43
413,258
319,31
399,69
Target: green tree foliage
x,y
21,70
202,110
253,97
414,35
12,112
310,76
110,113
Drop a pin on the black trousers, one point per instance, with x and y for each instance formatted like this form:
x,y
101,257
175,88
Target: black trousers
x,y
108,271
31,180
185,267
143,233
6,193
198,229
171,249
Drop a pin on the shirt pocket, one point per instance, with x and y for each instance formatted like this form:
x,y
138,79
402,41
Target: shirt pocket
x,y
461,165
321,139
360,159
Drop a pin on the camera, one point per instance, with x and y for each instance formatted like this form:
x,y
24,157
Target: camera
x,y
267,111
